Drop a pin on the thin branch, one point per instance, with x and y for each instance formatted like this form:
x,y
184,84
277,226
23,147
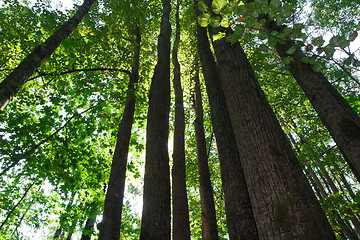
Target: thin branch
x,y
27,153
17,204
80,70
341,66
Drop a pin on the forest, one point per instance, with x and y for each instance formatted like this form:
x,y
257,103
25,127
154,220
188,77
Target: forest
x,y
182,119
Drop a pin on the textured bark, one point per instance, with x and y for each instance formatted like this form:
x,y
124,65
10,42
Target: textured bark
x,y
155,222
111,224
181,225
283,203
334,111
208,215
239,216
18,77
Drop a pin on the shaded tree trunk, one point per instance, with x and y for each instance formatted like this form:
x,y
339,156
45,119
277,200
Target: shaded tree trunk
x,y
111,224
284,204
334,111
208,215
181,225
155,222
18,77
239,216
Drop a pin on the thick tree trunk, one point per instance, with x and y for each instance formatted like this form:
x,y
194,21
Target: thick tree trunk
x,y
111,224
239,216
283,203
334,111
181,225
155,222
208,215
18,77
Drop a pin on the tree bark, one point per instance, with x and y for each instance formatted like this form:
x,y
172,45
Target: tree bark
x,y
181,225
283,203
239,216
18,77
155,222
111,224
208,215
334,111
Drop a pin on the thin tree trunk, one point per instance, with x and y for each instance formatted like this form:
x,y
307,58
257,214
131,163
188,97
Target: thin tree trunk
x,y
334,111
16,205
239,216
89,226
155,222
181,225
18,77
111,224
208,215
284,204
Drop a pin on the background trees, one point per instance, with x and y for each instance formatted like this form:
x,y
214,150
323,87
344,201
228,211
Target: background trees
x,y
68,112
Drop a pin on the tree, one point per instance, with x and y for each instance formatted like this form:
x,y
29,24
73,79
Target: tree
x,y
181,225
208,216
237,200
246,101
155,222
111,224
18,77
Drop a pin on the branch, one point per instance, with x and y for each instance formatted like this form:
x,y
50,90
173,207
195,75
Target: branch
x,y
27,153
80,70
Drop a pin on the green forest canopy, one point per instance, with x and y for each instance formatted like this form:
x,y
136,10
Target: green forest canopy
x,y
62,124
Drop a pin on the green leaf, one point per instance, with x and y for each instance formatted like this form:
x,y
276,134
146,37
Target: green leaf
x,y
275,4
305,59
218,5
202,6
263,48
339,41
224,22
215,21
318,41
291,50
218,36
204,19
288,60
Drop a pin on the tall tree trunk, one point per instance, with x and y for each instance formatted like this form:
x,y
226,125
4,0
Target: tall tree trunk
x,y
18,77
155,222
181,225
334,111
111,224
208,215
284,204
239,216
